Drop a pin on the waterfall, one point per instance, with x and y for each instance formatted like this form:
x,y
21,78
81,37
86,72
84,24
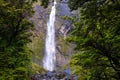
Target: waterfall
x,y
49,60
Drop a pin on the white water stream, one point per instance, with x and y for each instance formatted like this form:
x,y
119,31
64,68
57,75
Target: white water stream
x,y
49,60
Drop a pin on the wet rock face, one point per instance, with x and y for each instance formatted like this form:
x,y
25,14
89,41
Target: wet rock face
x,y
63,9
61,75
62,27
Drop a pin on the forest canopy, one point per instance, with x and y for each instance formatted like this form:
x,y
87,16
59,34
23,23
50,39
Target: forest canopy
x,y
97,37
15,56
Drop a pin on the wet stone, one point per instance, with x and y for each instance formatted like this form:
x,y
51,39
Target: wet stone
x,y
53,75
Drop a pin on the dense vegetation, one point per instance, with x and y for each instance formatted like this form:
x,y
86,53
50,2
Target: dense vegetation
x,y
15,32
45,3
97,37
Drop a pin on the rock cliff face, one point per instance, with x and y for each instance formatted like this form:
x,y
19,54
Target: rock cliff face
x,y
62,27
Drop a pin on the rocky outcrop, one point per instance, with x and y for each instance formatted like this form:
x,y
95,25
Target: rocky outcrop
x,y
39,19
63,27
60,75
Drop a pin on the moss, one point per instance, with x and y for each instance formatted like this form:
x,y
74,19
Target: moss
x,y
64,46
37,48
38,69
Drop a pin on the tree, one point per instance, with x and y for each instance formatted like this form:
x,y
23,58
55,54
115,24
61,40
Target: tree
x,y
44,3
15,32
97,34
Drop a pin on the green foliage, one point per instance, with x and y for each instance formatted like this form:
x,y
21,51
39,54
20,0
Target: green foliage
x,y
20,73
17,74
91,66
37,47
97,36
63,46
38,69
15,34
75,4
44,3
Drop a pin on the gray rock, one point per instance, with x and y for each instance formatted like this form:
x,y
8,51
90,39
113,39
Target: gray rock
x,y
60,75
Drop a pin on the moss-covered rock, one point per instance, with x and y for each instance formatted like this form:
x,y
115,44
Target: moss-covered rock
x,y
38,69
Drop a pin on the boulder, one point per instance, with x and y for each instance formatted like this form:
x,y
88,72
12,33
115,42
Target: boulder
x,y
53,75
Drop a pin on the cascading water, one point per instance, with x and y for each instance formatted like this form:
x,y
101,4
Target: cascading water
x,y
49,61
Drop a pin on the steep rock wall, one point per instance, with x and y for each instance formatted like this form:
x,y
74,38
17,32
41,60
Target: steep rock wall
x,y
40,19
